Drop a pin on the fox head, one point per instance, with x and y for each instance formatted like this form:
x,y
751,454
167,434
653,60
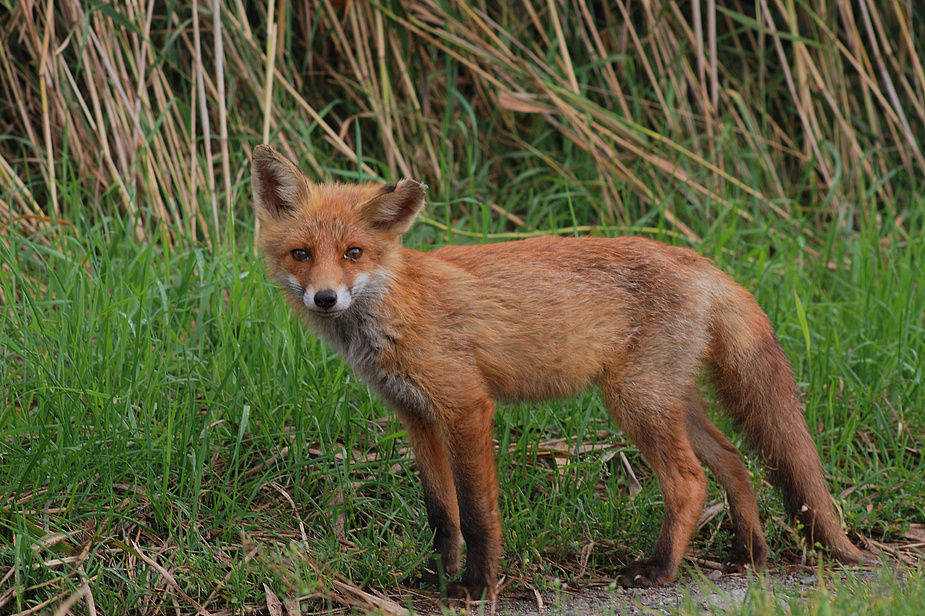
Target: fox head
x,y
328,245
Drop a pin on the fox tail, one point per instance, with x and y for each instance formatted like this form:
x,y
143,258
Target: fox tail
x,y
754,383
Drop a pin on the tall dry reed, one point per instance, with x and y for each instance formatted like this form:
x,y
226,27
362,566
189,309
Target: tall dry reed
x,y
154,112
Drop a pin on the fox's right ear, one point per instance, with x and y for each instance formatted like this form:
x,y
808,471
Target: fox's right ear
x,y
278,185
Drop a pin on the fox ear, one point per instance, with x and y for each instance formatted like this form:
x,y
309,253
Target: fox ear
x,y
277,184
394,208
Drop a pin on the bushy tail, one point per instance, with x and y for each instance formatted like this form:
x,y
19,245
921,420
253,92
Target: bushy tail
x,y
754,382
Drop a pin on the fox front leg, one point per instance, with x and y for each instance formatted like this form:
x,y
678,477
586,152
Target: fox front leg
x,y
439,498
471,452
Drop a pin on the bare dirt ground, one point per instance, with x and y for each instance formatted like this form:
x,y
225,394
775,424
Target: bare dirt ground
x,y
702,587
709,589
711,592
711,595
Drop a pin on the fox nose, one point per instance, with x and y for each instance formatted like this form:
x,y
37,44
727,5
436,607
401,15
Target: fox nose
x,y
325,298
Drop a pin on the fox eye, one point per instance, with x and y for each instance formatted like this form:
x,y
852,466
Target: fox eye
x,y
300,254
353,253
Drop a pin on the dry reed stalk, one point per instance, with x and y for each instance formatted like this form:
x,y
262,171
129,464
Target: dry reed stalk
x,y
915,91
46,120
368,83
65,606
875,43
416,125
652,94
795,86
565,59
711,36
599,53
644,59
698,46
28,210
206,127
270,63
217,36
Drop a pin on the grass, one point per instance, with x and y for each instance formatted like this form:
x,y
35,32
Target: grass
x,y
171,440
162,406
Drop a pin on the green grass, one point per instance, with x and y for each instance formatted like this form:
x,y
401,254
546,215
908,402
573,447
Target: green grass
x,y
161,400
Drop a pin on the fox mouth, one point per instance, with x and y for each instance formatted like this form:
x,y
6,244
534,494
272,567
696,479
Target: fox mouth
x,y
327,314
324,313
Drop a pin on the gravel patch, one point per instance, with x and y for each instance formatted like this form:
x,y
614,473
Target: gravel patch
x,y
712,593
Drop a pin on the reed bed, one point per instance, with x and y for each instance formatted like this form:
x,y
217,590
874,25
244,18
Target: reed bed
x,y
154,107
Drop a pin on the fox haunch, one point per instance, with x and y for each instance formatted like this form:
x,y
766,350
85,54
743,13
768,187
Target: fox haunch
x,y
441,336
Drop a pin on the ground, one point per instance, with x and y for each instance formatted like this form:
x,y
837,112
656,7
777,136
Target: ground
x,y
707,591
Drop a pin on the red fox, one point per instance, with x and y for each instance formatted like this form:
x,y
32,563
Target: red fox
x,y
441,336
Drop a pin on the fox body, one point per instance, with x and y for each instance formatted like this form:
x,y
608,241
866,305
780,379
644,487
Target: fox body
x,y
441,336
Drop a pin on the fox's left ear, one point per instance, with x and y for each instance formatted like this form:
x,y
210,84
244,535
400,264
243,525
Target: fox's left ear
x,y
394,208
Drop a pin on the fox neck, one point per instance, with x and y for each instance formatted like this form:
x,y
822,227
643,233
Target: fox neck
x,y
361,337
356,334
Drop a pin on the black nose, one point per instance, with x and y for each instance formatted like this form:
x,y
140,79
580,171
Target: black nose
x,y
325,298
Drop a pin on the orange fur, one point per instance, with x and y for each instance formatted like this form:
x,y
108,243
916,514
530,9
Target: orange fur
x,y
442,336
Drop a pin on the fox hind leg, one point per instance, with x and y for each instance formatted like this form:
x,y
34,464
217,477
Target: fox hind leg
x,y
657,428
726,463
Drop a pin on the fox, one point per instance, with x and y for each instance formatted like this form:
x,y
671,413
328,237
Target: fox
x,y
443,336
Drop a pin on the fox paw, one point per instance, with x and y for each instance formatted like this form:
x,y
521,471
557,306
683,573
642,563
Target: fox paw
x,y
740,561
644,575
461,591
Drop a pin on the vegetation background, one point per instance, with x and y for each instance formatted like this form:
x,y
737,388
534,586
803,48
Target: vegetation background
x,y
172,441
